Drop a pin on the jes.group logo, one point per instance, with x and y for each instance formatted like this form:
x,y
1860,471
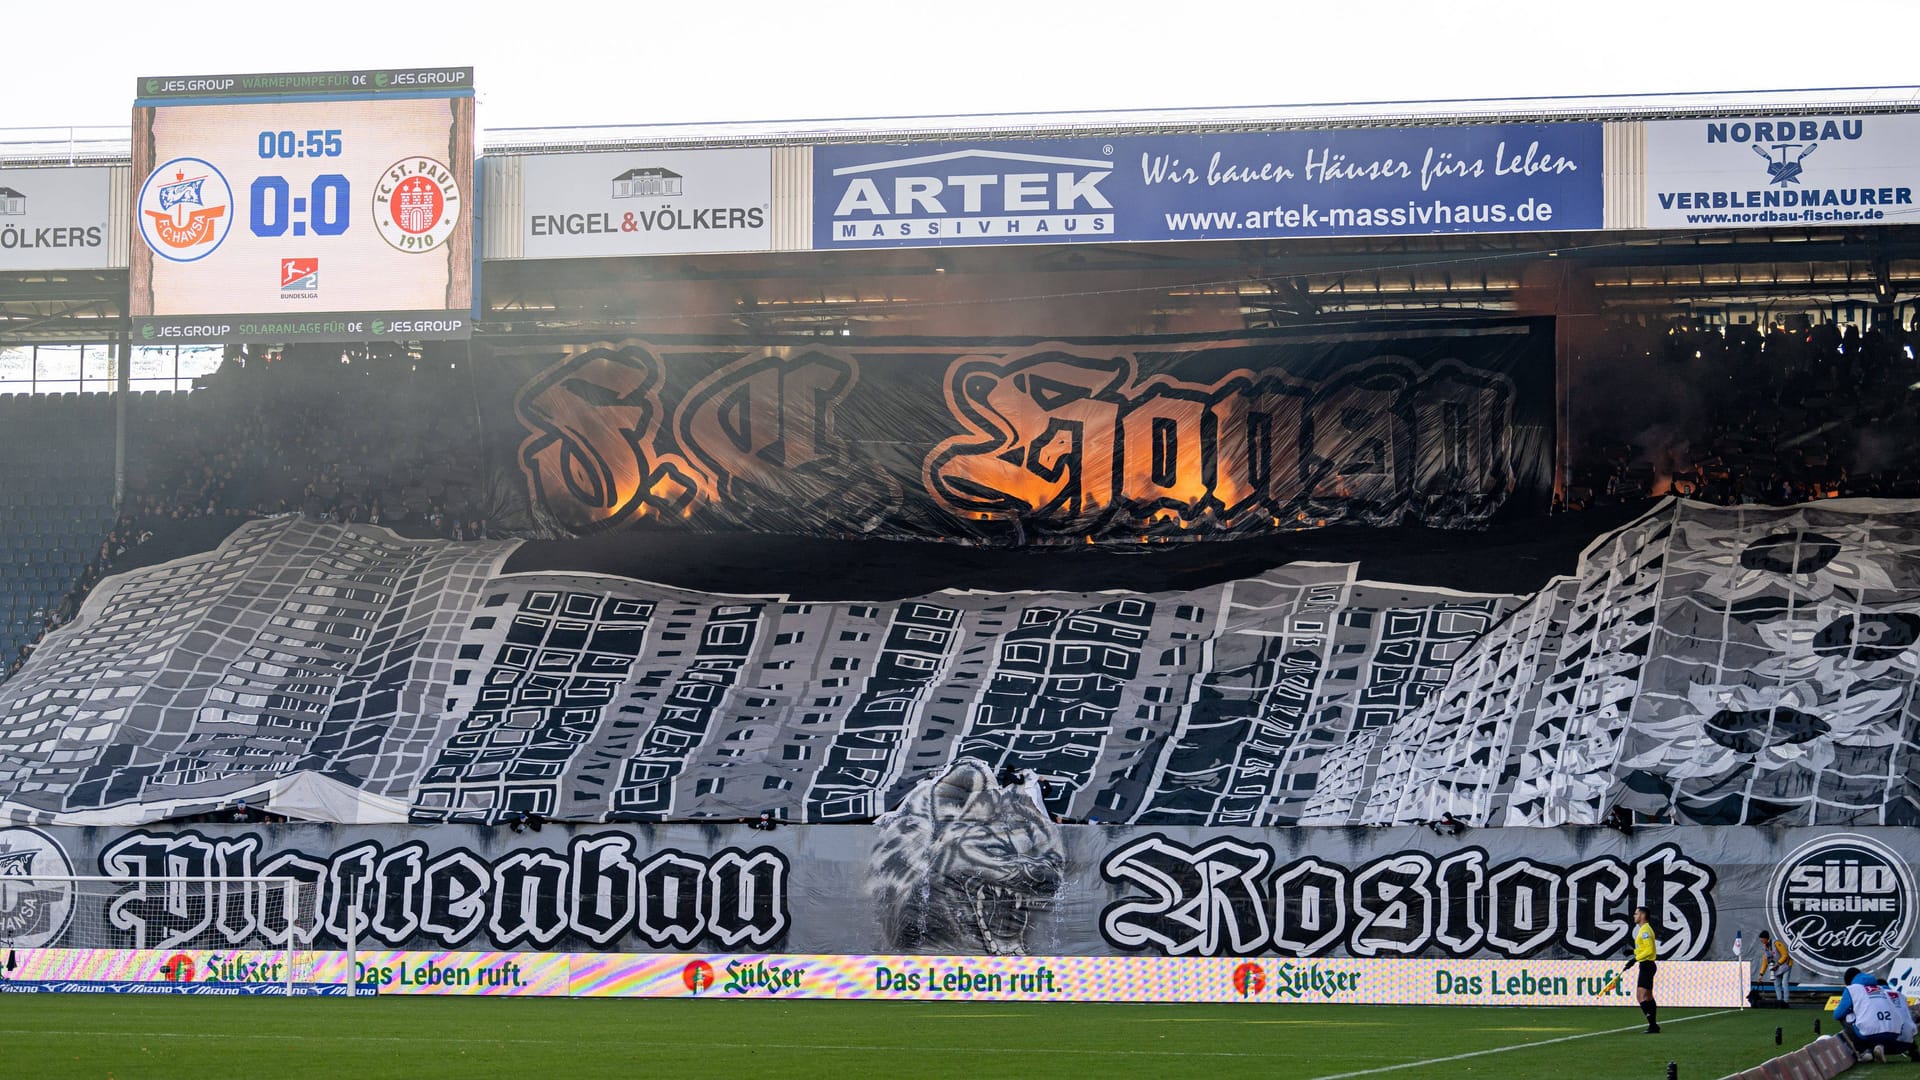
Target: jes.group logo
x,y
1843,901
185,209
416,204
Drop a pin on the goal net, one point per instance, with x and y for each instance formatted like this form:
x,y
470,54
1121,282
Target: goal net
x,y
185,934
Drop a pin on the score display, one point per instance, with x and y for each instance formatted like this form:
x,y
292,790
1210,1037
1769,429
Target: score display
x,y
330,206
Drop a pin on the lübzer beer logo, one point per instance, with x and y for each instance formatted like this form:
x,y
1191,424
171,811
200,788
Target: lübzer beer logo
x,y
34,911
1843,901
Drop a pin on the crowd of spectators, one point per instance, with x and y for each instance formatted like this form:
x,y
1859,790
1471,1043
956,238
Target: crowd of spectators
x,y
375,435
238,812
1743,414
124,536
378,435
1747,413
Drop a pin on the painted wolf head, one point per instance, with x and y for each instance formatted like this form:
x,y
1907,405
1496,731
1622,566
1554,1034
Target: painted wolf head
x,y
964,864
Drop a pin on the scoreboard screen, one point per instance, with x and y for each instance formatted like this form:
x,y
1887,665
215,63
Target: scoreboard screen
x,y
325,206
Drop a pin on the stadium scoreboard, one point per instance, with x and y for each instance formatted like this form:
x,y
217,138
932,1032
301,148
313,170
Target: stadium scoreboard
x,y
320,206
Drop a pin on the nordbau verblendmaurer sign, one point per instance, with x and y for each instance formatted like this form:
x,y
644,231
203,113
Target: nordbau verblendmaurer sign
x,y
1365,182
1772,171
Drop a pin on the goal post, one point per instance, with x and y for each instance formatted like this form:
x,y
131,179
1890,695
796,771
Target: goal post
x,y
178,933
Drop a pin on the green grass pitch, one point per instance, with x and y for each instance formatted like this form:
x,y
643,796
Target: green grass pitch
x,y
205,1038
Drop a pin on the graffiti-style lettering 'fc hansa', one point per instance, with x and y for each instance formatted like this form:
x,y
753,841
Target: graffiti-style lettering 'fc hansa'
x,y
1054,442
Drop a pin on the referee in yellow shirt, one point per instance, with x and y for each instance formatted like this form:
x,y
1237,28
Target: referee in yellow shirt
x,y
1646,953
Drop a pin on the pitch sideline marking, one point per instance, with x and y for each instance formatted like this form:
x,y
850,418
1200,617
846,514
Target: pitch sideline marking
x,y
1516,1046
294,1036
1241,1020
298,1037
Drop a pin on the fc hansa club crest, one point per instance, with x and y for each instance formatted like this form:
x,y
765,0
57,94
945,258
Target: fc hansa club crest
x,y
416,204
35,907
185,209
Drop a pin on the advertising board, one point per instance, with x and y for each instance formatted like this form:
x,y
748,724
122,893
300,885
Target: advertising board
x,y
55,219
1246,185
1760,172
1219,980
654,202
327,206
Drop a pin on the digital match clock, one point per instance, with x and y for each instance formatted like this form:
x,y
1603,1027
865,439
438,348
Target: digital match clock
x,y
320,215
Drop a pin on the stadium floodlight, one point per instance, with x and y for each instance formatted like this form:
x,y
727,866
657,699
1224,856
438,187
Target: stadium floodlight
x,y
178,933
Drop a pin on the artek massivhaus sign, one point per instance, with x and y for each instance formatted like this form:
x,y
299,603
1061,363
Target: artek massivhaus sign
x,y
1242,185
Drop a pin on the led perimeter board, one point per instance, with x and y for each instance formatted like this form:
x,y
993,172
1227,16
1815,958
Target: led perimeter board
x,y
324,206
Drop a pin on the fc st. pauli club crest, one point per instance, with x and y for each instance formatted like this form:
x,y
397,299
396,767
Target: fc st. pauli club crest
x,y
185,209
416,204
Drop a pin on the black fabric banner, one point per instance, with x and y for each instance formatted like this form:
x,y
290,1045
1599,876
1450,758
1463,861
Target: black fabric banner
x,y
1110,440
968,867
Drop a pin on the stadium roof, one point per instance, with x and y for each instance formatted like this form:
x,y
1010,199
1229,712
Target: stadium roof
x,y
110,144
1662,273
1878,99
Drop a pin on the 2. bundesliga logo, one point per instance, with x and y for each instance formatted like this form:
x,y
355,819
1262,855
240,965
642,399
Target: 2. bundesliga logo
x,y
299,278
184,209
1843,901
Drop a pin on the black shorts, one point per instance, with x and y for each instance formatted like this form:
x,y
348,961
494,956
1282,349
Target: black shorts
x,y
1646,969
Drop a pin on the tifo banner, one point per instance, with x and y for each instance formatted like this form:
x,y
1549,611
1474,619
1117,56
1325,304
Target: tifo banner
x,y
1769,171
652,202
1720,665
1681,984
55,219
967,868
582,696
1062,442
1243,185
